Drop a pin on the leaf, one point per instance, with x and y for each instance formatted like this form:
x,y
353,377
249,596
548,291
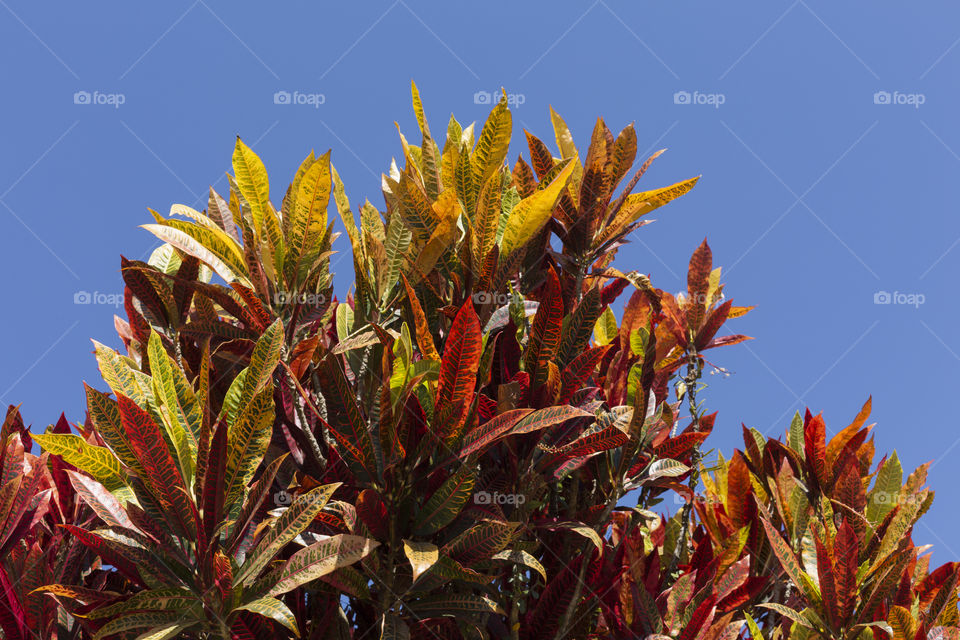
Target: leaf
x,y
886,490
265,357
490,431
480,542
422,556
582,530
139,621
165,599
99,462
491,149
698,283
637,205
275,610
103,503
788,560
247,442
347,425
453,604
787,612
288,526
665,468
461,356
308,222
446,502
182,411
211,246
320,559
547,417
531,214
424,337
519,556
253,183
545,331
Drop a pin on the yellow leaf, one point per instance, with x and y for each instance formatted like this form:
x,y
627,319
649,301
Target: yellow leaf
x,y
531,213
252,181
494,140
422,556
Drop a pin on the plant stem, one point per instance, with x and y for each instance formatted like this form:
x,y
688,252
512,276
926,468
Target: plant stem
x,y
694,371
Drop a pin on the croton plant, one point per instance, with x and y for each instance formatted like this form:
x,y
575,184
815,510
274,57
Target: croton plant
x,y
468,445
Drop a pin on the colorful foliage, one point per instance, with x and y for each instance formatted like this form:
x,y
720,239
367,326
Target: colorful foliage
x,y
469,445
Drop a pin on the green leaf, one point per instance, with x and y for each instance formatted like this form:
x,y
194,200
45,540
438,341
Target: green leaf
x,y
321,558
275,610
158,619
886,490
454,604
183,415
446,502
99,462
247,441
166,599
263,360
291,523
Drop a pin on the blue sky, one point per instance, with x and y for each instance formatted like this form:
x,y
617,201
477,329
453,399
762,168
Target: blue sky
x,y
826,134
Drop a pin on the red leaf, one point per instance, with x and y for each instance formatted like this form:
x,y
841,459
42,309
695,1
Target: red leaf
x,y
373,512
461,356
814,436
698,284
714,321
827,583
151,449
846,550
739,492
545,332
680,446
491,431
580,370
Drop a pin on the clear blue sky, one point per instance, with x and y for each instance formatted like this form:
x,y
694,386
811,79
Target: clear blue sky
x,y
817,194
